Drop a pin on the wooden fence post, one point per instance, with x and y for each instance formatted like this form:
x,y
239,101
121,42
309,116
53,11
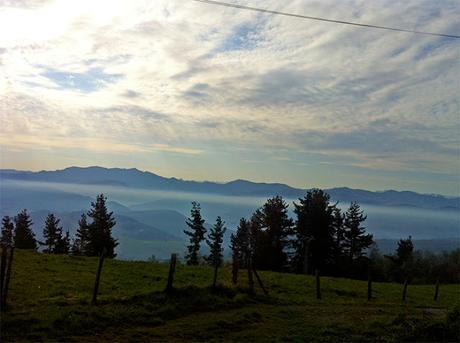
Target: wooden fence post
x,y
250,278
235,271
436,290
98,276
7,278
2,273
172,269
318,286
259,281
404,290
369,288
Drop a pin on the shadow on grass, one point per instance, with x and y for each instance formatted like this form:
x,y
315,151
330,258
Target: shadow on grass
x,y
149,310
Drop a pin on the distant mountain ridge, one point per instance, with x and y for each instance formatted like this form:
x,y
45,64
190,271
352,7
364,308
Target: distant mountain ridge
x,y
135,178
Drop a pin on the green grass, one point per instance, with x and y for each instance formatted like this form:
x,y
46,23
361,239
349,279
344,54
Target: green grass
x,y
49,300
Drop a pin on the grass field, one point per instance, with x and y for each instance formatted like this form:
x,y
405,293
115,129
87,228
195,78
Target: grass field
x,y
49,300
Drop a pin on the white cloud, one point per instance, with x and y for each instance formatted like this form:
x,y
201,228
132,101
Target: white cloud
x,y
193,78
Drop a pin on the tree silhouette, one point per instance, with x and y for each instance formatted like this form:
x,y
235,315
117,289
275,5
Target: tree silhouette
x,y
240,243
314,231
63,244
214,241
276,226
405,250
356,240
339,236
7,237
196,233
80,243
24,238
100,230
52,233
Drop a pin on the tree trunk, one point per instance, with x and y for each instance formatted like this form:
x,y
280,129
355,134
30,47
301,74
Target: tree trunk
x,y
404,290
436,290
305,259
215,276
250,278
235,266
369,287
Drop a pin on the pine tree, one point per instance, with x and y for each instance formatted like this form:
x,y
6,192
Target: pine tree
x,y
196,233
401,262
63,244
52,233
239,243
80,243
214,241
236,257
356,240
234,247
273,239
405,250
24,238
314,231
100,230
339,235
6,239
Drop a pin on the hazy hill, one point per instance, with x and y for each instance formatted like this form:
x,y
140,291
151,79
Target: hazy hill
x,y
126,227
137,179
169,221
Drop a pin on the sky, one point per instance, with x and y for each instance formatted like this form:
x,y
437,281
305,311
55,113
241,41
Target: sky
x,y
196,91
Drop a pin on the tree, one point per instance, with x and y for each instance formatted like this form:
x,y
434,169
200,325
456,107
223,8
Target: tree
x,y
339,237
63,244
236,257
314,232
196,233
239,243
275,228
214,241
254,237
7,232
356,240
405,250
24,238
401,264
100,230
80,243
52,233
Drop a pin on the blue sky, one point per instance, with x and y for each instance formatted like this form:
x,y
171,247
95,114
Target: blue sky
x,y
202,92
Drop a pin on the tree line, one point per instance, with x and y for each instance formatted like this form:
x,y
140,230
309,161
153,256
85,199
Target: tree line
x,y
320,238
90,238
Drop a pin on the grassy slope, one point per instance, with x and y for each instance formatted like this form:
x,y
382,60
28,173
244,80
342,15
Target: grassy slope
x,y
49,297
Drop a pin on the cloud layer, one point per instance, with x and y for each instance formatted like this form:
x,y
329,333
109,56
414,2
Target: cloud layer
x,y
198,91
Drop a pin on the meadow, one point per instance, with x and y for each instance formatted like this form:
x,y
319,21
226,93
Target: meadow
x,y
50,295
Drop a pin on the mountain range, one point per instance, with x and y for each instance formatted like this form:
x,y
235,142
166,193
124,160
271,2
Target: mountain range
x,y
151,210
134,178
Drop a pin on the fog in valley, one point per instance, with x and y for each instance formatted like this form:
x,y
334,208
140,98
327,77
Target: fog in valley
x,y
151,222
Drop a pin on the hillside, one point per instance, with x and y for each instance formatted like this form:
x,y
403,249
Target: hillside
x,y
49,300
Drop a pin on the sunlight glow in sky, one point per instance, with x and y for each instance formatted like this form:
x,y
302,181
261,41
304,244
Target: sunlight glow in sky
x,y
196,91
